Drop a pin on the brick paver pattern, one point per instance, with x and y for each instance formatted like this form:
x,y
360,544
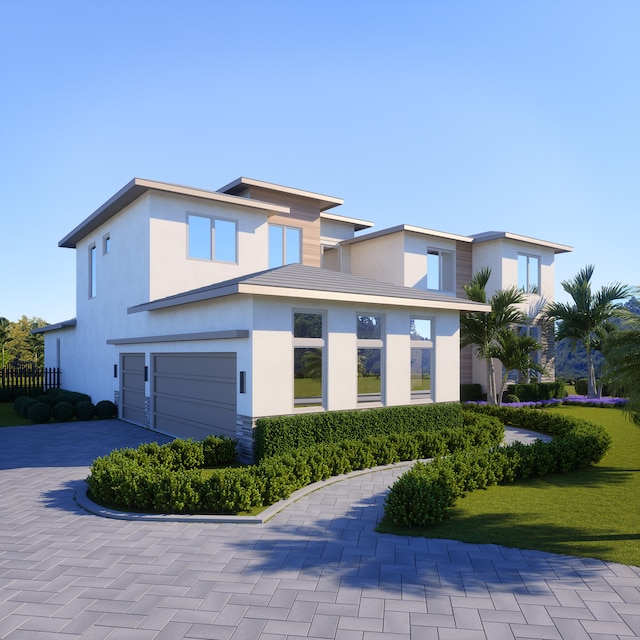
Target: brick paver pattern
x,y
316,570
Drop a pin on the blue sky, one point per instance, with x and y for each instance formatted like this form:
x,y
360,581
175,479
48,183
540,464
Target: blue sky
x,y
461,116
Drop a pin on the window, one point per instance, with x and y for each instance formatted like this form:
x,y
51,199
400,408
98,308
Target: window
x,y
528,273
212,239
370,345
440,270
106,244
308,356
285,245
92,270
421,356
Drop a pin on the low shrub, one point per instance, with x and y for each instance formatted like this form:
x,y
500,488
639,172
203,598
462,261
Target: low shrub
x,y
39,412
85,410
536,391
219,451
63,412
576,444
105,410
46,399
22,404
509,398
471,393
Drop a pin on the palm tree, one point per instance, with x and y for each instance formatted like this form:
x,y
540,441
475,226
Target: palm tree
x,y
515,352
588,317
482,330
622,364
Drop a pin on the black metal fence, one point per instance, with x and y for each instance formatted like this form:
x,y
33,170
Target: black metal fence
x,y
29,377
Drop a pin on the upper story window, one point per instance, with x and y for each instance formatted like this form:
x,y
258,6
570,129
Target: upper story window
x,y
528,273
93,268
106,244
440,270
285,245
212,239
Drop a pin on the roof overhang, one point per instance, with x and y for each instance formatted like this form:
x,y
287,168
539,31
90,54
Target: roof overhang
x,y
65,324
358,224
488,236
241,184
407,228
138,187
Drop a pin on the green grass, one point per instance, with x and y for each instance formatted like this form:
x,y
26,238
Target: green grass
x,y
9,418
593,512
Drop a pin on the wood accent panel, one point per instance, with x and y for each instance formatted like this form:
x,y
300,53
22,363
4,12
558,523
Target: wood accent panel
x,y
464,271
466,365
305,214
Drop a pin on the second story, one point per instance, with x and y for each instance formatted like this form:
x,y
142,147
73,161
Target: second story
x,y
152,240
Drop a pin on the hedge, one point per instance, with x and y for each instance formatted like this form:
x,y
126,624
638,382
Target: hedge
x,y
424,495
64,406
283,434
142,478
535,391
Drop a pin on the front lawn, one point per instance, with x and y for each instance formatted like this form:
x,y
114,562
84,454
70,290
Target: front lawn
x,y
594,512
9,418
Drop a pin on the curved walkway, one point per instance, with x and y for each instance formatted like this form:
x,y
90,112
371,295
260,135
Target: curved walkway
x,y
317,569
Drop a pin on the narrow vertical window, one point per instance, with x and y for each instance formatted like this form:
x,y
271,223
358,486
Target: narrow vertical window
x,y
106,244
308,356
528,273
421,357
370,358
92,270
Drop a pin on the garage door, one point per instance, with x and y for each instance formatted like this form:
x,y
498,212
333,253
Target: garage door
x,y
194,394
132,392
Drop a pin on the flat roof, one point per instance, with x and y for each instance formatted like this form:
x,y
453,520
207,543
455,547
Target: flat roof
x,y
358,224
240,184
305,282
487,236
404,228
139,186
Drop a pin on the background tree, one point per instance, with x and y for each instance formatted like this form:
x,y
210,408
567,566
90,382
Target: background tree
x,y
482,330
4,336
622,363
588,317
22,346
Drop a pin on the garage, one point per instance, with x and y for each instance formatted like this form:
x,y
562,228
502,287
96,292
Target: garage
x,y
133,391
194,394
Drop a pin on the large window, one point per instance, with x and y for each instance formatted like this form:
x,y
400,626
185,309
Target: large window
x,y
421,357
93,268
528,273
308,356
440,270
212,239
285,245
370,344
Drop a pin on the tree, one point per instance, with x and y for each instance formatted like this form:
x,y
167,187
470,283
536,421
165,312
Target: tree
x,y
22,345
622,364
4,336
515,352
483,330
588,318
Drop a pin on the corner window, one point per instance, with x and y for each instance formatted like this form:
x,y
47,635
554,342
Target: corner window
x,y
440,270
421,357
308,357
212,239
285,245
528,273
370,345
93,266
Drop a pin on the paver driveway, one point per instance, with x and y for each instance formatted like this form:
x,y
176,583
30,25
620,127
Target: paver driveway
x,y
316,570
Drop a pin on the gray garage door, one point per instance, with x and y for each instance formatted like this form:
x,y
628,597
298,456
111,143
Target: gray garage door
x,y
194,394
132,392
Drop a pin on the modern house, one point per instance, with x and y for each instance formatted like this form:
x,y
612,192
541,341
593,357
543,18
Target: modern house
x,y
200,311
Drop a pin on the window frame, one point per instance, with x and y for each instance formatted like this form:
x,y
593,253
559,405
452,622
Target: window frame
x,y
371,344
106,244
442,269
528,287
283,245
93,270
310,343
417,344
211,239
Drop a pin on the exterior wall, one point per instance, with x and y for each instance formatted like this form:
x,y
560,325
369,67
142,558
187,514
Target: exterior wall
x,y
379,258
415,257
172,271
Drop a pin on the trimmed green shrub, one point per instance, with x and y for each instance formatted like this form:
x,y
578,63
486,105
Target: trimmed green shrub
x,y
509,398
577,443
39,412
22,404
284,434
582,387
105,410
63,412
219,450
85,410
535,391
46,399
471,393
